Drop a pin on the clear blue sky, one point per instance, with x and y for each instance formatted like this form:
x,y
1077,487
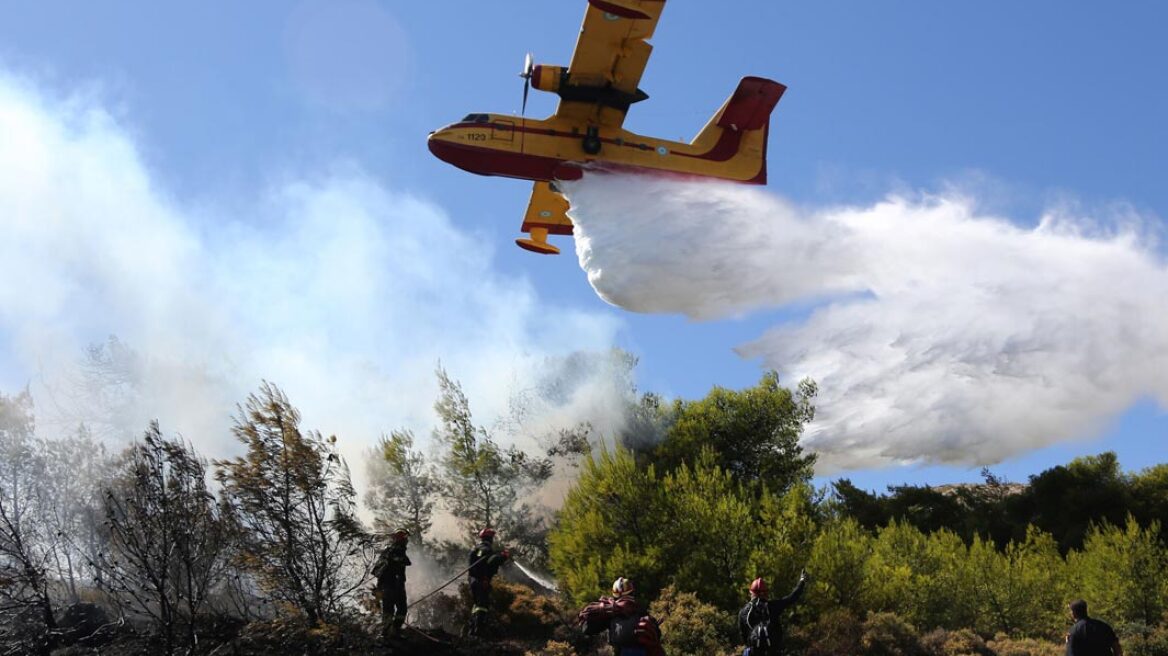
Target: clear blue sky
x,y
1033,99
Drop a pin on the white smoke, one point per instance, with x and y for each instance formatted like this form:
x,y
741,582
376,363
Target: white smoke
x,y
342,291
936,333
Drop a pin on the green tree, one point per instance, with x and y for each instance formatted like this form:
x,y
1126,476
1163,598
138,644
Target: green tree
x,y
291,494
1149,489
754,432
785,528
402,487
1021,591
483,483
614,522
1123,572
839,563
715,514
922,578
1064,501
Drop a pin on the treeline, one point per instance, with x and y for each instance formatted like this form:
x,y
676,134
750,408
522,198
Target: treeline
x,y
692,499
1064,501
725,497
156,536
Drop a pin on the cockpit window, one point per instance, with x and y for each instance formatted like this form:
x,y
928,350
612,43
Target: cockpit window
x,y
476,118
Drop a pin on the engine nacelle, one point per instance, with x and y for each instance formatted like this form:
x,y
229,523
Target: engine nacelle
x,y
548,78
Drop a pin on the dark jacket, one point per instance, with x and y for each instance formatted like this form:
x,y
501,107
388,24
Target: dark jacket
x,y
391,565
484,561
767,612
1091,637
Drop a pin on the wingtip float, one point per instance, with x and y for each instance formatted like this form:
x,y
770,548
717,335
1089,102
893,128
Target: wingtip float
x,y
596,90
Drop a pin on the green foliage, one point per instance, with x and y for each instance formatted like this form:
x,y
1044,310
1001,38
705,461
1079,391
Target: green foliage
x,y
613,523
921,577
294,501
483,483
691,627
839,562
754,433
1123,571
1021,591
402,487
714,513
1063,501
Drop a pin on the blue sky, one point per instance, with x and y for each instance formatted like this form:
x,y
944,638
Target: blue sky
x,y
1029,103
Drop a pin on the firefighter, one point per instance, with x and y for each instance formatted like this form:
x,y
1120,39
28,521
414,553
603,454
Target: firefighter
x,y
484,564
760,620
631,630
390,571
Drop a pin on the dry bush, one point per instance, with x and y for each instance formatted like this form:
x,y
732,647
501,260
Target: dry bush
x,y
1140,640
289,634
691,627
888,634
836,631
963,642
448,612
1003,645
554,648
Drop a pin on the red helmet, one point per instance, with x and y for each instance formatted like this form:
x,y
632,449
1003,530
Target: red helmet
x,y
758,588
487,534
400,535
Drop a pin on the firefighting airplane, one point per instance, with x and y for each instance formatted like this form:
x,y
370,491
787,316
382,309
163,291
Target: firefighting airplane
x,y
596,90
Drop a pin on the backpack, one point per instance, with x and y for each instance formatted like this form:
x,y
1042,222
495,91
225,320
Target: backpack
x,y
760,635
622,631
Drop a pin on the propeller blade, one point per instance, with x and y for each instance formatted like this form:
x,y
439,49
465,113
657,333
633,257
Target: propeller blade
x,y
528,67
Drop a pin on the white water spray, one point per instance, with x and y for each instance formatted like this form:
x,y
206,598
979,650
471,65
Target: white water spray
x,y
937,333
536,577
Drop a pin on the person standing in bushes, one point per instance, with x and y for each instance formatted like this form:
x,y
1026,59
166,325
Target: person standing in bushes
x,y
390,572
631,630
484,564
760,620
1089,636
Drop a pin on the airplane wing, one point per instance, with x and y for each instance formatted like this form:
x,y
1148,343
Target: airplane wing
x,y
547,214
610,56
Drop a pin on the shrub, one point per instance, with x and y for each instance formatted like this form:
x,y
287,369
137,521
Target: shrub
x,y
887,634
1003,645
962,642
692,627
835,632
1139,640
554,648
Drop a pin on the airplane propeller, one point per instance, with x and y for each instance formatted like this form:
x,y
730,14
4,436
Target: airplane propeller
x,y
528,67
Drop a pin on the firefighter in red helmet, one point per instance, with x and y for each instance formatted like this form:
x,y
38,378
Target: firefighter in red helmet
x,y
484,564
390,572
760,620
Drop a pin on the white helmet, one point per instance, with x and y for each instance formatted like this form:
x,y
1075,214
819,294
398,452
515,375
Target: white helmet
x,y
621,587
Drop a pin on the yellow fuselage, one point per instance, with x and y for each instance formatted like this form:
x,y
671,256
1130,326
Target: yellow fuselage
x,y
558,149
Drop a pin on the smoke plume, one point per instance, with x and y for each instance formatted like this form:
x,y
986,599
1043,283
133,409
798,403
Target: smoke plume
x,y
937,333
344,292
